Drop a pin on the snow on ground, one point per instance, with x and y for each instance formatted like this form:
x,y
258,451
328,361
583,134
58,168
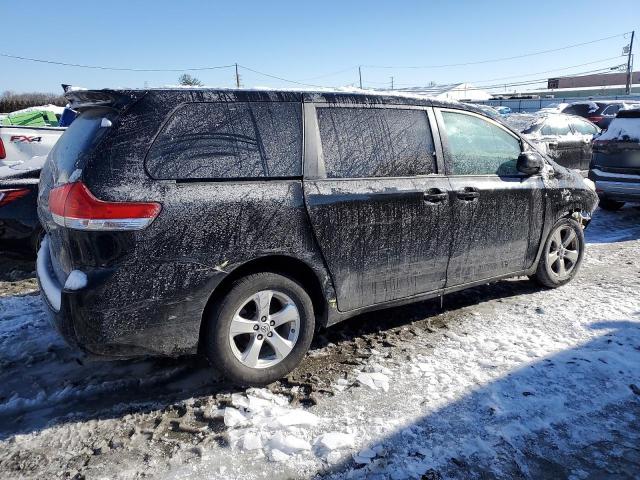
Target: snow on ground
x,y
509,381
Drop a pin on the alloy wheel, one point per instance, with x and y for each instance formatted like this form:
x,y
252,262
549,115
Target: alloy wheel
x,y
265,329
563,252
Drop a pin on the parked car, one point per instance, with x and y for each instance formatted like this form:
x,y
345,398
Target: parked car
x,y
565,138
23,150
19,225
601,112
502,109
615,167
20,143
182,221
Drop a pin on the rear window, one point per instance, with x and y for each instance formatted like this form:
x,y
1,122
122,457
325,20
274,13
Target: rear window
x,y
229,140
375,142
79,138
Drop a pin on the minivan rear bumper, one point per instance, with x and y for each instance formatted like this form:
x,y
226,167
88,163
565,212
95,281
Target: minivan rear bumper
x,y
616,186
52,295
92,319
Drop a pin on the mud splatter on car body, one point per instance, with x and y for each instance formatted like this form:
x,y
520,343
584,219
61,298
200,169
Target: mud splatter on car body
x,y
355,244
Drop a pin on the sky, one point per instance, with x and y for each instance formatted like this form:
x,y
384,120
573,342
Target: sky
x,y
315,43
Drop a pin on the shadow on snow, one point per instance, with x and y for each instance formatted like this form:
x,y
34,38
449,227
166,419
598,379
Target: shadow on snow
x,y
575,414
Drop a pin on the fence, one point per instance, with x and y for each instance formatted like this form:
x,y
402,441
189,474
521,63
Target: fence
x,y
535,104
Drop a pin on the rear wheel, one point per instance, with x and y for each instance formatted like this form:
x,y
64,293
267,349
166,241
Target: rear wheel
x,y
610,205
260,330
562,254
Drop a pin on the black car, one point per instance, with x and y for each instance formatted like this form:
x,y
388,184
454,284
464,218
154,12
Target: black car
x,y
19,225
601,112
615,167
236,222
565,138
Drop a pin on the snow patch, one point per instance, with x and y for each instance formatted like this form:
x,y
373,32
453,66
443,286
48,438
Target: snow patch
x,y
76,280
374,380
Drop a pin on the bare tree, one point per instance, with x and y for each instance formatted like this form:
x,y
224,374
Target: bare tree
x,y
186,79
12,101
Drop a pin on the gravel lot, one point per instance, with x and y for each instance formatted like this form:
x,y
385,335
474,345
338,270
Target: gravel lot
x,y
508,381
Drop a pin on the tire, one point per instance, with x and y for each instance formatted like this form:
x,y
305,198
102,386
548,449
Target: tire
x,y
253,318
610,205
557,266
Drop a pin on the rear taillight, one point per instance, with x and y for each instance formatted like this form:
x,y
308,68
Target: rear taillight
x,y
3,152
10,194
73,206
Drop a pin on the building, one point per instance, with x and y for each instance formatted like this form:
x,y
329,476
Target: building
x,y
594,80
454,91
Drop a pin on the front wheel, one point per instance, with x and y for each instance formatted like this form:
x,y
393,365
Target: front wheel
x,y
260,330
562,254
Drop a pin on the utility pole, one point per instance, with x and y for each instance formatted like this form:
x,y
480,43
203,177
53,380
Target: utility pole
x,y
237,77
360,75
630,65
391,83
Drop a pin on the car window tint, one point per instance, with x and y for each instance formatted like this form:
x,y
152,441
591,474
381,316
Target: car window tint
x,y
229,140
555,126
479,147
375,142
585,128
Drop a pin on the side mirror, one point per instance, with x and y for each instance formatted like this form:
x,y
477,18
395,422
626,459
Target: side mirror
x,y
530,163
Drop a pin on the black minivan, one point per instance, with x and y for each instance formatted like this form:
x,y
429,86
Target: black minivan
x,y
235,223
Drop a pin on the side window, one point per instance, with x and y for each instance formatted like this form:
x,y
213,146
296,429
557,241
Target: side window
x,y
375,142
555,126
583,128
611,110
479,147
229,140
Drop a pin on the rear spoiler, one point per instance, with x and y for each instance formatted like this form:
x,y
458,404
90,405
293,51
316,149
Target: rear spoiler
x,y
115,99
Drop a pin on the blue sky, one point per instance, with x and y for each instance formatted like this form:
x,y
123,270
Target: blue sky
x,y
306,41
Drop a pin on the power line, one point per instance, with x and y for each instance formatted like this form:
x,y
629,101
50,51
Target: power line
x,y
97,67
478,62
338,72
282,79
519,76
548,71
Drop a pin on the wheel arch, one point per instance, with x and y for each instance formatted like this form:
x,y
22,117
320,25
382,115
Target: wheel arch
x,y
287,265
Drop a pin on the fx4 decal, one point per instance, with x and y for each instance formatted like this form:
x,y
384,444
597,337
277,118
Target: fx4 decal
x,y
25,139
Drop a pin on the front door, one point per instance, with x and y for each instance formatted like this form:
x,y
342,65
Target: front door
x,y
379,208
497,212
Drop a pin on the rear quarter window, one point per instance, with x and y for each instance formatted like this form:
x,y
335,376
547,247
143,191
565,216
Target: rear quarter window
x,y
81,136
229,140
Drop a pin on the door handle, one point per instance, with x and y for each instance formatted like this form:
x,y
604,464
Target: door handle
x,y
434,195
468,194
553,144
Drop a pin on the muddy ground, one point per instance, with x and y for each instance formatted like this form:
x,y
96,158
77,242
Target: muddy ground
x,y
64,415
